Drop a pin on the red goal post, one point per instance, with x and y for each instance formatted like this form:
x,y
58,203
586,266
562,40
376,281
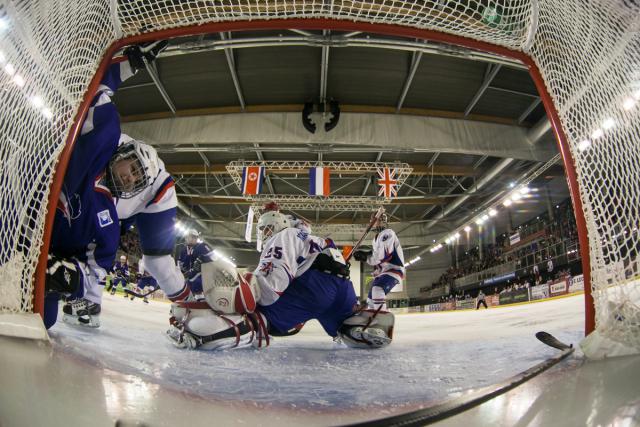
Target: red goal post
x,y
554,57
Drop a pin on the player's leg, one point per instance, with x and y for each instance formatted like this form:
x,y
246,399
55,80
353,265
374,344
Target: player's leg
x,y
157,240
380,287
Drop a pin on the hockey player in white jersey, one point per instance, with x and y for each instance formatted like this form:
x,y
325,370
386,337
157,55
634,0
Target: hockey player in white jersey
x,y
299,277
387,260
110,178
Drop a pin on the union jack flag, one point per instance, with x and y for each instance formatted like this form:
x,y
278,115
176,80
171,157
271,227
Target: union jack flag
x,y
387,182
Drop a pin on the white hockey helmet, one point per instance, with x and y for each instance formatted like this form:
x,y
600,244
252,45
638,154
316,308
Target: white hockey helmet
x,y
271,223
123,258
191,238
134,167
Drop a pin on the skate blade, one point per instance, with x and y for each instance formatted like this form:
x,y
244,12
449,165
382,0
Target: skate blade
x,y
75,321
173,335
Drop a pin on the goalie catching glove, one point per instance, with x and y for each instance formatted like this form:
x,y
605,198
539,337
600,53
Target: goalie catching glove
x,y
368,329
226,290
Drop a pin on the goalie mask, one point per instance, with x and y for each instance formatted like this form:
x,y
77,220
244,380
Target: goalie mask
x,y
133,168
271,223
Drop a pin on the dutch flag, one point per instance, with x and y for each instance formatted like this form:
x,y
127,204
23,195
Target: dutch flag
x,y
319,181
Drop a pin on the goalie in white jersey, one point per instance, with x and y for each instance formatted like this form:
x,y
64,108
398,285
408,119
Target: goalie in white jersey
x,y
299,277
387,260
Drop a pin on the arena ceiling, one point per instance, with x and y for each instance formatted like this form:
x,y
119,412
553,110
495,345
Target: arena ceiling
x,y
468,123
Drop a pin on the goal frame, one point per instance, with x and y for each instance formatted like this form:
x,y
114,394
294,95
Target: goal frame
x,y
336,25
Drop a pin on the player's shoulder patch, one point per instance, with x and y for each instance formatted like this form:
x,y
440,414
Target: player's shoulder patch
x,y
104,218
302,235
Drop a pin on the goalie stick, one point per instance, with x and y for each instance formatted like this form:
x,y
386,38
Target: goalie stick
x,y
377,216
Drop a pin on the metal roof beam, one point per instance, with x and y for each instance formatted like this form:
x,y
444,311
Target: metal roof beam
x,y
415,62
529,109
231,61
153,72
489,76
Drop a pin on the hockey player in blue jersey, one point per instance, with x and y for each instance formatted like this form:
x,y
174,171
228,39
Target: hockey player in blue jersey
x,y
387,260
110,178
146,283
192,255
299,277
121,274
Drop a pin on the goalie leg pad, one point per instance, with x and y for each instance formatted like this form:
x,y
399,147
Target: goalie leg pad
x,y
202,328
368,329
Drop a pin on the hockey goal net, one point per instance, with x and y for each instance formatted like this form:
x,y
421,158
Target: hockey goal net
x,y
584,57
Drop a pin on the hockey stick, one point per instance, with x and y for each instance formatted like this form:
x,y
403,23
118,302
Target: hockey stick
x,y
376,217
137,295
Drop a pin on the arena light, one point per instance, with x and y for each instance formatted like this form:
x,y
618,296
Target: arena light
x,y
628,103
493,212
608,123
515,197
584,144
4,23
47,113
597,134
223,257
636,95
479,221
485,217
447,240
457,236
19,80
10,69
507,202
38,102
467,228
524,190
2,57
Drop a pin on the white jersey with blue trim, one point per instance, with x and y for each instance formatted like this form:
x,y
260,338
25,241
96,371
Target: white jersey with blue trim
x,y
387,257
158,197
286,255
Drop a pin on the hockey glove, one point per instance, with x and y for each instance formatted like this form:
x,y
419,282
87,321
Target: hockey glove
x,y
63,275
361,255
138,54
197,266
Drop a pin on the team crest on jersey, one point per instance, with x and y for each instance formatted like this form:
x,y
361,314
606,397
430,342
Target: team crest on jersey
x,y
266,268
302,235
104,218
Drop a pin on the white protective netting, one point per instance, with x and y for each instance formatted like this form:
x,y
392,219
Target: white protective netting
x,y
587,52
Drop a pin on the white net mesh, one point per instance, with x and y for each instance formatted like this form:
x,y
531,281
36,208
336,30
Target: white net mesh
x,y
588,54
48,53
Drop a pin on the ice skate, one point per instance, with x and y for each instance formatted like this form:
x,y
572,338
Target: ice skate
x,y
82,312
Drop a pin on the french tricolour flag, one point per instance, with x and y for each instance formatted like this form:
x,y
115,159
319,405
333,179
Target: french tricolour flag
x,y
252,177
319,182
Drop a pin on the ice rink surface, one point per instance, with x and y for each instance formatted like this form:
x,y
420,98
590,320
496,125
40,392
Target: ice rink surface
x,y
434,356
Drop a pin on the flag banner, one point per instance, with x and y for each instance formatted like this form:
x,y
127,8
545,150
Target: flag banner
x,y
252,177
387,182
249,228
319,181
